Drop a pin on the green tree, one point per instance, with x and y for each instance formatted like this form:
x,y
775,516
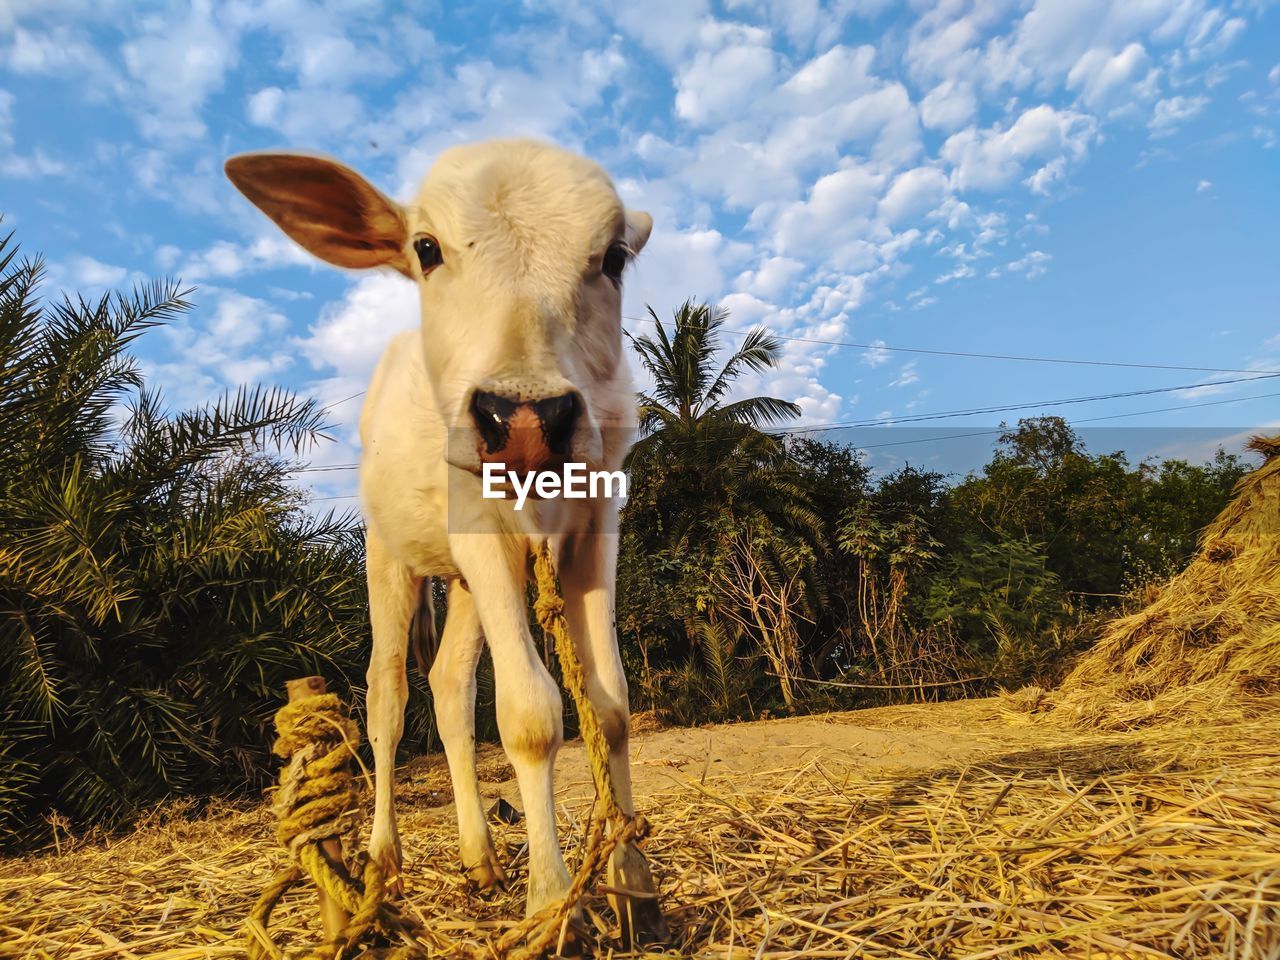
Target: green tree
x,y
1042,486
708,479
1176,501
159,578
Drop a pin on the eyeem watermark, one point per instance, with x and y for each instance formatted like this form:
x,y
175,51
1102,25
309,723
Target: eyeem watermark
x,y
575,483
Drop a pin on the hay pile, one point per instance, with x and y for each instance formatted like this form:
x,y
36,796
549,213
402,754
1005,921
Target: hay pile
x,y
1058,843
1209,641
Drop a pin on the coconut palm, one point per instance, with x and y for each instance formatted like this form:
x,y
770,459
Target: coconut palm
x,y
159,578
714,453
687,413
708,481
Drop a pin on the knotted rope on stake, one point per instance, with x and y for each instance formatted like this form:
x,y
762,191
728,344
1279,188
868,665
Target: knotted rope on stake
x,y
317,806
318,810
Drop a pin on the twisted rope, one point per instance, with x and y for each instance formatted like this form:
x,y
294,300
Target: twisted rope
x,y
317,800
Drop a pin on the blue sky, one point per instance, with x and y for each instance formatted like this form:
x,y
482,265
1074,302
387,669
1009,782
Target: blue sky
x,y
1060,178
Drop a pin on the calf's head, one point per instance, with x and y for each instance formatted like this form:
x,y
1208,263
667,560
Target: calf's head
x,y
518,250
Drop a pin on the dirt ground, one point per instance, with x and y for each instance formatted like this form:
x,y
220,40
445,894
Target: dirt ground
x,y
181,885
878,742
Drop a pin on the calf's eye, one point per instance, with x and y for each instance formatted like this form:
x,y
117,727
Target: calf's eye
x,y
428,251
614,262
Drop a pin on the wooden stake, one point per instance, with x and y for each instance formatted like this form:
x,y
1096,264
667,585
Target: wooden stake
x,y
332,915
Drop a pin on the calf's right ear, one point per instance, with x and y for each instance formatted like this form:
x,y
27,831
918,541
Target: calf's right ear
x,y
326,207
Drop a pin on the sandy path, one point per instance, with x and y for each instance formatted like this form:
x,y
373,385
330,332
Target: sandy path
x,y
885,741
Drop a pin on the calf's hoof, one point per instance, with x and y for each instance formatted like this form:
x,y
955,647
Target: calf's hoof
x,y
640,916
387,855
488,873
576,943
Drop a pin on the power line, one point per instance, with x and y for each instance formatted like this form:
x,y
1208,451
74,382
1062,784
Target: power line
x,y
961,436
950,414
1005,408
1110,416
1132,365
985,356
338,403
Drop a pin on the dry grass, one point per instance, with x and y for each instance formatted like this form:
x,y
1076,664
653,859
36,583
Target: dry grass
x,y
1101,844
1208,643
1124,837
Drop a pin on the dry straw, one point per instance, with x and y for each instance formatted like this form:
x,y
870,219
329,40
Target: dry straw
x,y
1208,642
1110,836
1141,844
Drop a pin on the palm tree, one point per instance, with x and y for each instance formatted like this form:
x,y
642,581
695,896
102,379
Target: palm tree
x,y
709,481
159,577
713,448
687,413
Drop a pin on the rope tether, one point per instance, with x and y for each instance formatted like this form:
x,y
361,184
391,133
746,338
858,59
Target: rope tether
x,y
317,801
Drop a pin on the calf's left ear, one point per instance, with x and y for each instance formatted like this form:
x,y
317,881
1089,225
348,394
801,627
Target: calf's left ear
x,y
639,225
326,207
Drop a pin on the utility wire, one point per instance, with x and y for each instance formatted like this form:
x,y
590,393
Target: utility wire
x,y
973,411
1131,365
1110,416
985,356
901,443
1004,408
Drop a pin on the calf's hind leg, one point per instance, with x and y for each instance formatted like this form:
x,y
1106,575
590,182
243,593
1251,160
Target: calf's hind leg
x,y
453,688
392,595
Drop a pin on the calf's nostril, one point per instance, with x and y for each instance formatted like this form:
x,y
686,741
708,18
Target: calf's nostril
x,y
559,416
492,416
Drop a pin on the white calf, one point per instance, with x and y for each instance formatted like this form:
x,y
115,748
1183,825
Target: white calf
x,y
518,250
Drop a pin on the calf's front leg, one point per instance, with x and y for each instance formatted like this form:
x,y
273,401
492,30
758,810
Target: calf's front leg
x,y
528,699
392,595
588,574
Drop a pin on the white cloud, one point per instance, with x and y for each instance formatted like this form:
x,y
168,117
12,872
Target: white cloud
x,y
305,114
87,273
1173,112
59,51
19,166
831,78
30,166
263,108
166,256
668,28
993,158
877,356
226,259
1113,81
1204,185
836,215
1042,181
912,193
961,271
733,65
948,106
678,264
351,334
771,278
175,66
907,375
241,342
1034,264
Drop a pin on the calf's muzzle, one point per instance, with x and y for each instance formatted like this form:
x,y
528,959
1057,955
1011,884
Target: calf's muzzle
x,y
525,435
